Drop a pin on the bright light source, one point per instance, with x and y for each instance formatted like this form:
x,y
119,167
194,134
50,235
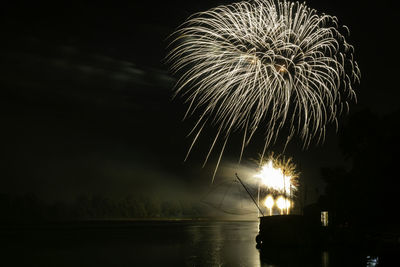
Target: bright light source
x,y
280,202
269,202
274,178
283,204
324,218
278,175
288,205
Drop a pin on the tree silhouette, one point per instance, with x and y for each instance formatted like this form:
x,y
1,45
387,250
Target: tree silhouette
x,y
366,194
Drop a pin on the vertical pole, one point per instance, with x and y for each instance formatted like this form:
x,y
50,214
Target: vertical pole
x,y
284,188
290,196
304,198
258,198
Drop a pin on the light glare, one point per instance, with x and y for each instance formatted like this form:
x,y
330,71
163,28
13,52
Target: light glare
x,y
269,202
274,178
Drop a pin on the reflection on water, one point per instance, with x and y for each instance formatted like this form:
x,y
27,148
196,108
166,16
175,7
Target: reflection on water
x,y
325,259
372,261
222,244
163,244
334,257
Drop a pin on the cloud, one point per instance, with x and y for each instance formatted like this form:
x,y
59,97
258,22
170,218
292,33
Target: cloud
x,y
80,75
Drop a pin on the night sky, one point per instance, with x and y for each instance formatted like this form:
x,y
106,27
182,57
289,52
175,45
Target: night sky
x,y
87,108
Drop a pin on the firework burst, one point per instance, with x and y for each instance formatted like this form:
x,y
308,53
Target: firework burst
x,y
278,177
278,173
275,64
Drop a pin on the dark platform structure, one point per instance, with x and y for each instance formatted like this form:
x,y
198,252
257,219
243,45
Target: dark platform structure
x,y
289,230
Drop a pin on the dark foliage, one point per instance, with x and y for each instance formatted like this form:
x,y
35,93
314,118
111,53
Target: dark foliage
x,y
29,208
366,194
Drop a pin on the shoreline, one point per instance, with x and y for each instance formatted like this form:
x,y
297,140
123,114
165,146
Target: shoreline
x,y
108,222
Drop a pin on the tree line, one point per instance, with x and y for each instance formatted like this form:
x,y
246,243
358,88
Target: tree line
x,y
366,194
29,207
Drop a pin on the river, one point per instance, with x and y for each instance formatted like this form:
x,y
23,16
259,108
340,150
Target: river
x,y
160,243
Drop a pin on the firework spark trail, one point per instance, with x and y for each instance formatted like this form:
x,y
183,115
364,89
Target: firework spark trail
x,y
278,173
270,63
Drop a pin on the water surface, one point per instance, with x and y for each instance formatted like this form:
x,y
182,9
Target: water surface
x,y
182,243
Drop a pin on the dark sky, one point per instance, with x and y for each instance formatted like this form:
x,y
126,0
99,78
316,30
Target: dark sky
x,y
86,97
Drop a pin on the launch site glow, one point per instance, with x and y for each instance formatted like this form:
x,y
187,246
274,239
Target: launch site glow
x,y
282,203
274,178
